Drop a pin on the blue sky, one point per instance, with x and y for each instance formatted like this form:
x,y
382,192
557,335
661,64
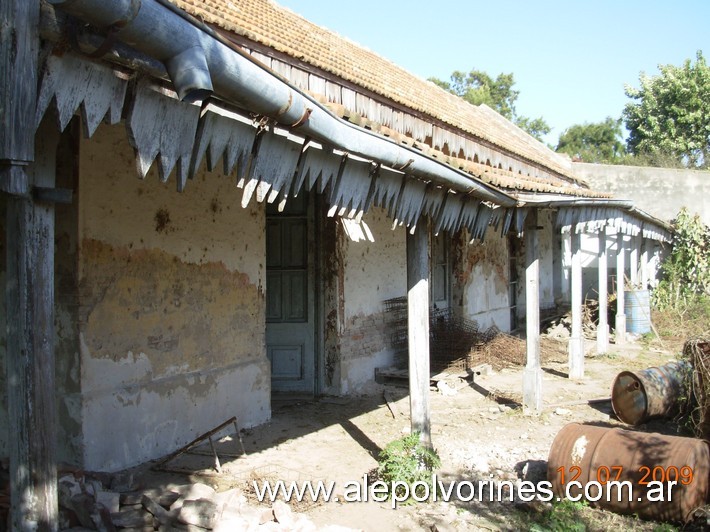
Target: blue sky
x,y
570,59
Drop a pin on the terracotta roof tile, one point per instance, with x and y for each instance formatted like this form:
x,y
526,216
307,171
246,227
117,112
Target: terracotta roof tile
x,y
274,26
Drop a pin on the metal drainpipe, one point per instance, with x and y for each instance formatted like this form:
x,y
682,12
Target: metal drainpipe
x,y
152,28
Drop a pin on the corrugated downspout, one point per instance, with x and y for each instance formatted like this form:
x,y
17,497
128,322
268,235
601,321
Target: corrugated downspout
x,y
152,28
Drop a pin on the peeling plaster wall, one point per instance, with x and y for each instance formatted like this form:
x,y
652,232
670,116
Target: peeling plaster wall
x,y
372,273
484,276
70,446
172,314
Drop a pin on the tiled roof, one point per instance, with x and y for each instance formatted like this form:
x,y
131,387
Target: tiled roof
x,y
274,26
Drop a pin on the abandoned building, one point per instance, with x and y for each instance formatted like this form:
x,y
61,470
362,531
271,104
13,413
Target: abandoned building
x,y
206,205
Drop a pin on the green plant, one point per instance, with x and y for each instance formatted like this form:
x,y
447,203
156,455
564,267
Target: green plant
x,y
408,460
686,271
564,516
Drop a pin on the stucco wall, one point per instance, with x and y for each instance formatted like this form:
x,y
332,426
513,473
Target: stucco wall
x,y
374,269
171,307
659,191
484,276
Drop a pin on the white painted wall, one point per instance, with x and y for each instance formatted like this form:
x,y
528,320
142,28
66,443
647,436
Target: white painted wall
x,y
485,277
374,269
172,320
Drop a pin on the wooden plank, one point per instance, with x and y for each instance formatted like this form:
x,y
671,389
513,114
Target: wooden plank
x,y
418,329
160,126
273,168
30,348
352,189
19,57
318,169
223,135
74,83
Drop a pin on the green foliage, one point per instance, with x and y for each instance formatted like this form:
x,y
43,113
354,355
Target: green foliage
x,y
686,271
407,460
477,87
670,116
599,142
564,516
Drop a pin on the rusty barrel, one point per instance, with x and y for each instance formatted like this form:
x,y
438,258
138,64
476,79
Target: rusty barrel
x,y
653,392
587,453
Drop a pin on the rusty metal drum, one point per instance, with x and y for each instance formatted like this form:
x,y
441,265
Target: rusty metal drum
x,y
653,392
589,454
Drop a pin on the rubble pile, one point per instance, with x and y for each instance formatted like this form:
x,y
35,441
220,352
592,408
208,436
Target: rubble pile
x,y
86,504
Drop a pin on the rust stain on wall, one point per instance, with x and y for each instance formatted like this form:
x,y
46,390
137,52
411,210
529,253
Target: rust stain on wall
x,y
492,257
180,315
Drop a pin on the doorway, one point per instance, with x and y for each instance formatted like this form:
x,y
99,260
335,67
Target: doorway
x,y
291,296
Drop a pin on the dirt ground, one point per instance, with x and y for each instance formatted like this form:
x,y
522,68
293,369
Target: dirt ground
x,y
476,437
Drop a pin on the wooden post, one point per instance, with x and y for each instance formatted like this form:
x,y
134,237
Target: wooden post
x,y
603,327
566,265
576,341
532,374
620,332
30,346
418,325
30,274
634,262
644,263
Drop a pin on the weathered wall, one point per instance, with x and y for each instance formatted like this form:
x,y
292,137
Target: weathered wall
x,y
171,314
659,191
66,302
374,270
484,275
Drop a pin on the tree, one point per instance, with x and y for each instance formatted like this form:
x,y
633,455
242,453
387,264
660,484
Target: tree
x,y
599,142
477,87
670,116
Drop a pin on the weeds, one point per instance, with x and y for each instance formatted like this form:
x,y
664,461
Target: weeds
x,y
408,460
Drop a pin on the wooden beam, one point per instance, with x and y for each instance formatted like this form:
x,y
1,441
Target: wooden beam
x,y
30,348
418,324
576,341
532,374
603,327
19,57
620,329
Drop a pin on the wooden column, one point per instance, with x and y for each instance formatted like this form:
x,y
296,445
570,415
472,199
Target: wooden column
x,y
532,374
603,326
30,345
634,262
566,284
644,263
418,325
620,332
576,341
30,274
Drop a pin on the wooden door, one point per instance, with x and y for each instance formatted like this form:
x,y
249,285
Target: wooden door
x,y
290,297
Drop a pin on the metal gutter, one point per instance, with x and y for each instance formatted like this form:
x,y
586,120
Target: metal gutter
x,y
564,201
201,64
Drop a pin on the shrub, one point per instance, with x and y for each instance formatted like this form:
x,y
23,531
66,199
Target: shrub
x,y
408,460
